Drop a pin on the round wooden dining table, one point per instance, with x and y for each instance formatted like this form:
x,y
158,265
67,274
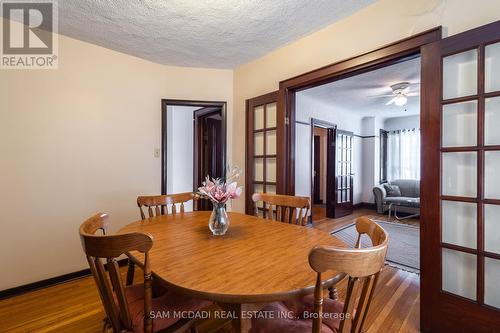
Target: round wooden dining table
x,y
255,262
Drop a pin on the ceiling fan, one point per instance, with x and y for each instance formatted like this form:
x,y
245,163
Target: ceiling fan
x,y
400,93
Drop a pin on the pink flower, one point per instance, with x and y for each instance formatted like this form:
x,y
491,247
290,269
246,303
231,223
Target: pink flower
x,y
219,191
233,190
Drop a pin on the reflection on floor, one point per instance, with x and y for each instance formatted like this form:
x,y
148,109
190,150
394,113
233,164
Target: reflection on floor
x,y
319,212
75,306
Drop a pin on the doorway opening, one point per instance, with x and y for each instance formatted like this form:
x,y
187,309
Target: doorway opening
x,y
375,144
323,163
292,135
362,106
193,145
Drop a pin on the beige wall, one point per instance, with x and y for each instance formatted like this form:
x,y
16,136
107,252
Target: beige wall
x,y
382,23
78,140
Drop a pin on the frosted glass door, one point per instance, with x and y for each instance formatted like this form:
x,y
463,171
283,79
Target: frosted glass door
x,y
460,182
262,143
470,174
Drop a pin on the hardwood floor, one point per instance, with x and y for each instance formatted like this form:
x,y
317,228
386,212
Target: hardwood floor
x,y
75,306
321,222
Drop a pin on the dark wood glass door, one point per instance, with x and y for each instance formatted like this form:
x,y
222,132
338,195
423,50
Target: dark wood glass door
x,y
343,173
261,148
460,192
208,148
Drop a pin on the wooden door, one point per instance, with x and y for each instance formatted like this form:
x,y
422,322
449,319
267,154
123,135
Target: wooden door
x,y
317,170
343,173
460,189
261,147
208,151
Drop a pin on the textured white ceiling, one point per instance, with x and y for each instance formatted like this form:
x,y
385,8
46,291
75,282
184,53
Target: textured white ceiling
x,y
353,93
198,33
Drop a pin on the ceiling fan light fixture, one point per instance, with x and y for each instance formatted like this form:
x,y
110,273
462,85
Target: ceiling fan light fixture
x,y
400,100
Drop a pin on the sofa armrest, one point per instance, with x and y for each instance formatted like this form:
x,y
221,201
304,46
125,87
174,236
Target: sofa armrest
x,y
380,194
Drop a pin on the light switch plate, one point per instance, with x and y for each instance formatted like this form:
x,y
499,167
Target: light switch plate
x,y
157,152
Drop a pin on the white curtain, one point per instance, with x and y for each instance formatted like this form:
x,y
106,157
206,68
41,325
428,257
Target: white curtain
x,y
403,154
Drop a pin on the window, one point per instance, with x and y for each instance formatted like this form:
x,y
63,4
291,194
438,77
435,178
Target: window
x,y
383,156
400,154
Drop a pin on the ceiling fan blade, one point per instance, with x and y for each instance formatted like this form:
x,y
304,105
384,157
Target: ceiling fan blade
x,y
414,86
388,95
391,101
370,86
413,94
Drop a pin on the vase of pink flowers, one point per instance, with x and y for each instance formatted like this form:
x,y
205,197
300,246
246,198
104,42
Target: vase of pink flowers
x,y
219,192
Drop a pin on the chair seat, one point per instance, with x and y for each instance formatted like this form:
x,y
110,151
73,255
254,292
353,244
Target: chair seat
x,y
161,307
291,316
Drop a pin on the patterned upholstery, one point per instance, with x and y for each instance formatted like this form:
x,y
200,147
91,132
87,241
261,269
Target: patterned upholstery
x,y
164,304
289,316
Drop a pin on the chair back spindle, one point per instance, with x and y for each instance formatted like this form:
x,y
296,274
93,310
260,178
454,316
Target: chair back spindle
x,y
156,205
102,252
362,265
283,208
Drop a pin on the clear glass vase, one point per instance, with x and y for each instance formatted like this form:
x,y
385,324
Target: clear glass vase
x,y
219,221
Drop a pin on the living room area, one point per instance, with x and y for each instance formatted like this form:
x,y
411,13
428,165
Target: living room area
x,y
359,139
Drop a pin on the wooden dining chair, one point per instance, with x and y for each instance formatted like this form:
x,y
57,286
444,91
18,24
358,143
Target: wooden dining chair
x,y
283,208
361,265
160,204
156,205
128,308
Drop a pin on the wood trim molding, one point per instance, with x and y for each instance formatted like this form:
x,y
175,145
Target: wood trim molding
x,y
11,292
383,56
164,135
400,49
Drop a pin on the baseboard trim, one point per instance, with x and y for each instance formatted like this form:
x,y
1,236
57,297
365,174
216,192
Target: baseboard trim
x,y
16,291
365,205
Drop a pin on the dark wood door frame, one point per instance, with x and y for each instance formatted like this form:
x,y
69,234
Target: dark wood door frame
x,y
164,134
330,158
387,55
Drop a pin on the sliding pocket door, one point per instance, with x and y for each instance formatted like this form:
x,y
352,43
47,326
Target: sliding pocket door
x,y
460,193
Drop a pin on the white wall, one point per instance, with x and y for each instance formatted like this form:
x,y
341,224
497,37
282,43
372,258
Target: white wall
x,y
397,123
371,156
307,108
180,148
80,140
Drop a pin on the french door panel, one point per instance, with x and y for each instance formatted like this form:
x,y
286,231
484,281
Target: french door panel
x,y
460,191
261,148
343,173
